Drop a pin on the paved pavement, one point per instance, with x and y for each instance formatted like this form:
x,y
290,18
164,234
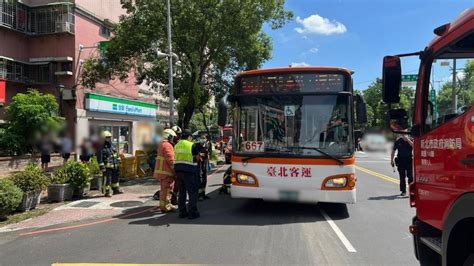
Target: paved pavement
x,y
374,231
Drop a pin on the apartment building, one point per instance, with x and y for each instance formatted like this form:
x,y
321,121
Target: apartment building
x,y
43,44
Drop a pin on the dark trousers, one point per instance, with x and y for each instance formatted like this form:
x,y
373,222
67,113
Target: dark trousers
x,y
203,178
189,184
111,179
405,170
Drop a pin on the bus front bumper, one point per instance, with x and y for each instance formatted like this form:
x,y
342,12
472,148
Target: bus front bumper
x,y
301,195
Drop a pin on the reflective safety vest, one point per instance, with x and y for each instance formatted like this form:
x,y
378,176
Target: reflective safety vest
x,y
184,152
163,167
108,157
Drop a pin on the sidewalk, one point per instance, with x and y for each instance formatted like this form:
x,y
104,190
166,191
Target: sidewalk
x,y
138,192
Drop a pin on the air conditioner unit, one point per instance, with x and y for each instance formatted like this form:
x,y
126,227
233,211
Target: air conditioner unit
x,y
69,94
63,27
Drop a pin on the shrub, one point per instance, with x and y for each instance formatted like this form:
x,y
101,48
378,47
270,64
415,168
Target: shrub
x,y
31,179
78,173
93,166
10,196
30,115
60,176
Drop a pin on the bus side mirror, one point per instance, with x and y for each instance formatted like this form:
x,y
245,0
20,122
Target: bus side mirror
x,y
391,79
361,109
398,120
223,108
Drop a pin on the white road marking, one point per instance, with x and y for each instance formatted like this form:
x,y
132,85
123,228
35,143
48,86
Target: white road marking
x,y
338,232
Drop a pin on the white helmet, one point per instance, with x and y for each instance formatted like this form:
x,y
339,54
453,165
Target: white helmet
x,y
168,134
176,129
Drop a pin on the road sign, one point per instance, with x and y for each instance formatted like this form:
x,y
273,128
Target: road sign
x,y
410,78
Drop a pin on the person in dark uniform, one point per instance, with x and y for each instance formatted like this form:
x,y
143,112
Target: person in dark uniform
x,y
404,160
206,149
186,169
109,163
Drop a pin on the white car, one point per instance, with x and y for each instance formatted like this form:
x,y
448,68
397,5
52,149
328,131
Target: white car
x,y
374,142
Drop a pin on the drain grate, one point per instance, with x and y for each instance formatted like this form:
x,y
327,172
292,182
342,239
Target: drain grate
x,y
126,204
85,204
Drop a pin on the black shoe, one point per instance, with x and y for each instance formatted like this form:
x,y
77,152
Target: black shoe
x,y
174,199
117,191
156,196
194,216
182,215
206,197
403,194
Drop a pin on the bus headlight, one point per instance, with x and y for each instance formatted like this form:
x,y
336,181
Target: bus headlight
x,y
246,179
336,182
339,182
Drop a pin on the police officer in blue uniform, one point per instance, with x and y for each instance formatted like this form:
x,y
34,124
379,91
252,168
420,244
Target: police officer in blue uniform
x,y
404,160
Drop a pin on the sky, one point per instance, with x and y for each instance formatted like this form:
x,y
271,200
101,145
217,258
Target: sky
x,y
357,34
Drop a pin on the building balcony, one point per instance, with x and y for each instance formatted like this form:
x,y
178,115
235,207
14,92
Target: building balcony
x,y
38,71
49,19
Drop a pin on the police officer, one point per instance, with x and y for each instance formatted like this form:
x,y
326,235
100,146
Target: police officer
x,y
206,149
109,162
174,194
186,169
404,160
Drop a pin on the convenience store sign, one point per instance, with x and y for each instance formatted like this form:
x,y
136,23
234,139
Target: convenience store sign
x,y
101,103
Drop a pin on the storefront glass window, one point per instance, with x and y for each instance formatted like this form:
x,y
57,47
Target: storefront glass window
x,y
120,137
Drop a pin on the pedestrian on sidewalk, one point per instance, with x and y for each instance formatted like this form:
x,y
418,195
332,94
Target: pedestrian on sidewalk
x,y
86,151
109,162
186,169
164,170
45,147
66,147
403,161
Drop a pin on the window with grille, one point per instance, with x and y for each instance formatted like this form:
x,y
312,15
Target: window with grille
x,y
25,73
56,18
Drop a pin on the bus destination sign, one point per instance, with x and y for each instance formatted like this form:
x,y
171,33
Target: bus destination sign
x,y
291,82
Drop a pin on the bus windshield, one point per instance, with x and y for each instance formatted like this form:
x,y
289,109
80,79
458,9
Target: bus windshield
x,y
297,125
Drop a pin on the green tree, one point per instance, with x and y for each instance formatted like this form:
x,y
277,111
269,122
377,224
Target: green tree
x,y
373,99
30,115
464,91
213,39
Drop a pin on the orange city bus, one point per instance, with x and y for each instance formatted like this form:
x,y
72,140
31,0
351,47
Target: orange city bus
x,y
293,134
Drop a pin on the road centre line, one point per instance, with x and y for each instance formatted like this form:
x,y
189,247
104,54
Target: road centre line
x,y
379,175
338,232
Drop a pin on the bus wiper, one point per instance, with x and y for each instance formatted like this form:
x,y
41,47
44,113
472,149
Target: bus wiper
x,y
320,151
248,158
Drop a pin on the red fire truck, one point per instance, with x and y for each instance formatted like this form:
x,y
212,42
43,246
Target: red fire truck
x,y
443,130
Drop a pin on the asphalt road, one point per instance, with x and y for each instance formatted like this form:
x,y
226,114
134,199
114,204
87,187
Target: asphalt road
x,y
374,231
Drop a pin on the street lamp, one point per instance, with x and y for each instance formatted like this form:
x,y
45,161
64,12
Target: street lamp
x,y
453,93
170,62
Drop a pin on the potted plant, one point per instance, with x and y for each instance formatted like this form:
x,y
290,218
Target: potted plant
x,y
10,197
32,181
79,177
60,190
97,178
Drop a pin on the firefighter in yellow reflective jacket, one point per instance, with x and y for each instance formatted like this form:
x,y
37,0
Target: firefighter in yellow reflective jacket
x,y
109,162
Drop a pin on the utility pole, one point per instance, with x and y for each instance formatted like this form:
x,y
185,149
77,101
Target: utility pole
x,y
454,94
170,64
